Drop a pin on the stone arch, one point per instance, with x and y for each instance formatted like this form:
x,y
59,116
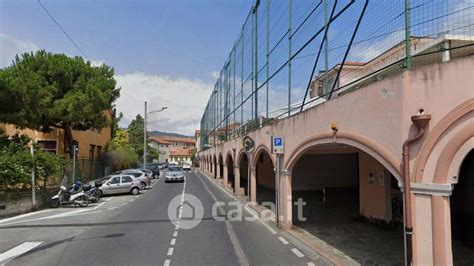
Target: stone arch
x,y
262,148
377,151
437,133
451,158
227,156
239,156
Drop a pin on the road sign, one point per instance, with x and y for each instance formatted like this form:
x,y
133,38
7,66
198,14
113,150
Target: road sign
x,y
277,145
248,144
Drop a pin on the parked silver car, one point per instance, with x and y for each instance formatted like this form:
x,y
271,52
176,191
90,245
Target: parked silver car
x,y
174,174
116,184
140,175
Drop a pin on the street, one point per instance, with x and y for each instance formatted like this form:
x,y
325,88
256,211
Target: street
x,y
136,230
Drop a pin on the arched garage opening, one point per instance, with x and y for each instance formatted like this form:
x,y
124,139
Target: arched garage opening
x,y
265,178
462,214
352,202
215,167
221,167
230,171
244,174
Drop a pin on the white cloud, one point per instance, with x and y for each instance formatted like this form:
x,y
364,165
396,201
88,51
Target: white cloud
x,y
10,46
185,99
215,74
96,63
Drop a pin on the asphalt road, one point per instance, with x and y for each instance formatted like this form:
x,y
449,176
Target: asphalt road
x,y
137,230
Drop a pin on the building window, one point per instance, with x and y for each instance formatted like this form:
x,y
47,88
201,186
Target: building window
x,y
48,146
99,151
91,151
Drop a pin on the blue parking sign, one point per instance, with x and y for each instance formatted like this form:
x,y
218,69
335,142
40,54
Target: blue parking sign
x,y
278,141
277,145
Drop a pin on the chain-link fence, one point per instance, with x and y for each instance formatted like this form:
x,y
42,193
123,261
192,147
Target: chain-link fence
x,y
292,55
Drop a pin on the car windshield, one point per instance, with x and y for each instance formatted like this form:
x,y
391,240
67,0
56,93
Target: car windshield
x,y
173,169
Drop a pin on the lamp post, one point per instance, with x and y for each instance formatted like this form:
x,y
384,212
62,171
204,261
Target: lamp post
x,y
145,130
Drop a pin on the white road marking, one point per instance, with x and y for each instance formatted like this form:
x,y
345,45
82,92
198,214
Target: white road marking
x,y
311,264
96,207
175,233
297,252
283,240
85,213
112,208
176,227
239,252
132,200
108,199
167,262
170,252
253,213
123,204
173,241
23,216
17,251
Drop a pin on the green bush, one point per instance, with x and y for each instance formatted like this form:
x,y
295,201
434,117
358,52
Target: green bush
x,y
17,164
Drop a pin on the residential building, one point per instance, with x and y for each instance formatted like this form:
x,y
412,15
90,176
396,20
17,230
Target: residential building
x,y
163,148
173,149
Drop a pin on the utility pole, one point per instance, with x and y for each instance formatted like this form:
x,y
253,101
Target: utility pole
x,y
74,151
33,178
144,138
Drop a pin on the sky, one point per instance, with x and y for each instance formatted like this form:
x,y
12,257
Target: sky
x,y
167,52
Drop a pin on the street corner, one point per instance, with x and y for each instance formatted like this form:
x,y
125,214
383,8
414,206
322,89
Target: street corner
x,y
185,211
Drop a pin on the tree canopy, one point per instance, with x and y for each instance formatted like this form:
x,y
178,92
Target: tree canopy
x,y
43,91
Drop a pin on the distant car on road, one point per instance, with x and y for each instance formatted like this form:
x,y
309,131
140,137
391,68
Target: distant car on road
x,y
117,184
174,174
186,167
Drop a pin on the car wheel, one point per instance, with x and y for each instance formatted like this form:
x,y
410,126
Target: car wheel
x,y
143,184
135,191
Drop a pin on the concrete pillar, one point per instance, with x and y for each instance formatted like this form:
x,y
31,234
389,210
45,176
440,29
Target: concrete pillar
x,y
226,175
238,191
286,201
218,172
441,219
253,185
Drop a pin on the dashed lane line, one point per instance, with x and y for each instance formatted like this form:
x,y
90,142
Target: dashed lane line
x,y
173,242
297,252
112,208
17,251
175,233
170,252
311,263
167,262
283,240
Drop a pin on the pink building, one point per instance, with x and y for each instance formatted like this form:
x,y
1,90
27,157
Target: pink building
x,y
343,157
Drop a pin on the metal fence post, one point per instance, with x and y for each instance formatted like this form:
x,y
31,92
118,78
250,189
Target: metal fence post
x,y
289,56
407,35
256,59
268,49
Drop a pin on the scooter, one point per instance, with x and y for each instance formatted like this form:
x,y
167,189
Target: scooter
x,y
65,197
92,193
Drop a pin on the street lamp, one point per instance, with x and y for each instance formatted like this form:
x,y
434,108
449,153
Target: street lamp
x,y
145,130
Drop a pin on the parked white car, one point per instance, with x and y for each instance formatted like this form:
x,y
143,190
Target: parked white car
x,y
117,184
140,175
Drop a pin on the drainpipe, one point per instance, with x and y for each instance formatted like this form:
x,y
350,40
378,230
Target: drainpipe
x,y
421,122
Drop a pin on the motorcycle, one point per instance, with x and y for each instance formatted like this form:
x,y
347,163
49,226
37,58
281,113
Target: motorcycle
x,y
92,193
65,197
